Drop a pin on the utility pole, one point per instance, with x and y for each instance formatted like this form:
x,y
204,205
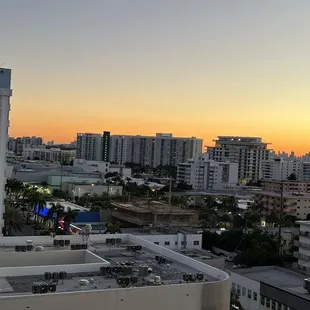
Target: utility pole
x,y
61,171
170,188
280,221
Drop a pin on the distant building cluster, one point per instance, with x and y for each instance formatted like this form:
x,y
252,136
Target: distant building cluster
x,y
159,150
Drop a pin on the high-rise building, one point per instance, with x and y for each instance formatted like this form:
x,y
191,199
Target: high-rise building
x,y
19,144
206,174
132,149
89,146
163,149
106,140
248,152
170,150
5,94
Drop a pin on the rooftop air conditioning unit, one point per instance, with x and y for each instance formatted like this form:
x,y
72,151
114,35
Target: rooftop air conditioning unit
x,y
307,285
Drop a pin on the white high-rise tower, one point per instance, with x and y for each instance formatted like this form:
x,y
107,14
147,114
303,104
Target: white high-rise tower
x,y
5,94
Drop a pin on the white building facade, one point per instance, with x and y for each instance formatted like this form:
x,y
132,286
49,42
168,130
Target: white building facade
x,y
205,174
280,169
49,154
5,94
248,152
89,146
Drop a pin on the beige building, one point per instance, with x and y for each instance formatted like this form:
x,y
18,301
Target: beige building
x,y
288,186
155,274
293,203
154,213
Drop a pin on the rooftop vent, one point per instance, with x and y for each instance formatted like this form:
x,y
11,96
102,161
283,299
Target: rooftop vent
x,y
307,285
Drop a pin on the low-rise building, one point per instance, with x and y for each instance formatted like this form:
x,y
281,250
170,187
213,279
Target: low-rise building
x,y
154,213
42,153
303,244
155,277
262,288
205,174
295,204
80,189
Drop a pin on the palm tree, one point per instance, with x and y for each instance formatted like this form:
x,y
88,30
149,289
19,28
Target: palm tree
x,y
36,202
70,216
113,228
55,212
12,220
210,202
13,187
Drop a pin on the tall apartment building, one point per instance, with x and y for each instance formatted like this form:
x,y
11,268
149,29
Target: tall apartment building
x,y
171,151
5,94
132,149
17,145
89,146
106,140
248,152
205,174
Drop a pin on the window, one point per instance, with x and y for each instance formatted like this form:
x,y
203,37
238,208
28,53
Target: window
x,y
238,289
262,300
267,303
273,305
249,294
279,306
254,295
243,291
167,242
156,243
196,242
176,243
234,286
182,242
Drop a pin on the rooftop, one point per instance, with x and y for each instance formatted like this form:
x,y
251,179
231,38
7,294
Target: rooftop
x,y
153,207
19,271
291,195
284,279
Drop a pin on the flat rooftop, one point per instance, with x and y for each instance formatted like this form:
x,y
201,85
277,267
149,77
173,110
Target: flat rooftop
x,y
284,279
153,207
171,273
285,194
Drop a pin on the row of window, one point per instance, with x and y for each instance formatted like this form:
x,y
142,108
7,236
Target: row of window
x,y
196,242
267,302
244,292
272,304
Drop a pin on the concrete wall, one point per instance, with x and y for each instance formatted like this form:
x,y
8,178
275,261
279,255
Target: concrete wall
x,y
208,296
37,263
175,241
246,284
63,257
48,241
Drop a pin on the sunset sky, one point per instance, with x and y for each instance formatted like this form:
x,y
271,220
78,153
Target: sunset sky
x,y
190,67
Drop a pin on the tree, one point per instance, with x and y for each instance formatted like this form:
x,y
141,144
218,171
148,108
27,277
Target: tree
x,y
13,188
55,212
70,216
113,228
292,177
182,186
36,201
230,204
12,220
